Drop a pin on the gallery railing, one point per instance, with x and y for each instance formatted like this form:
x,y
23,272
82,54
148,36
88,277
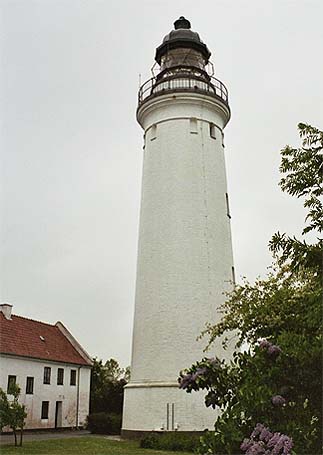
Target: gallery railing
x,y
154,87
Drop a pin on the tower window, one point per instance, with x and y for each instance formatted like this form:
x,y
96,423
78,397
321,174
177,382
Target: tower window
x,y
153,132
212,130
29,385
227,204
193,125
233,275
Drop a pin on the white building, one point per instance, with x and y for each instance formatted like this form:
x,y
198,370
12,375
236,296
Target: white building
x,y
51,368
185,260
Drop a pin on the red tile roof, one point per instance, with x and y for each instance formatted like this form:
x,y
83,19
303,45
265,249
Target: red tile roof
x,y
28,338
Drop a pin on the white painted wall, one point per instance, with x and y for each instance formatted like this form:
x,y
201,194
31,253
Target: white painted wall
x,y
23,367
184,256
189,412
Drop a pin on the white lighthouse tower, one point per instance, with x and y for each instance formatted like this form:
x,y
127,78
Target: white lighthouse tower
x,y
185,252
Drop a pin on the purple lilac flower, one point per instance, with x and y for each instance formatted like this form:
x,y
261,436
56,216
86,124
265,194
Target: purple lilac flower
x,y
265,435
264,344
190,378
288,445
257,448
268,444
278,400
214,362
198,372
273,441
246,444
257,430
280,444
274,350
185,381
201,371
276,450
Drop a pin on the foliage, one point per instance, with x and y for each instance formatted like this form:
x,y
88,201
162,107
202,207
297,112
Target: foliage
x,y
104,423
107,383
171,441
12,413
4,409
250,390
302,170
285,301
277,381
114,372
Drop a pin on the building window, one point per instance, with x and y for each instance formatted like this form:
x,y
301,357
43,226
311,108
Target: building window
x,y
60,376
11,383
44,409
29,385
73,377
47,371
212,130
193,125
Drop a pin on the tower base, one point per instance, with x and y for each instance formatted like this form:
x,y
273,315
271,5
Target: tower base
x,y
161,407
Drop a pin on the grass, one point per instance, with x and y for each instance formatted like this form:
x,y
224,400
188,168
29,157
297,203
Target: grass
x,y
83,445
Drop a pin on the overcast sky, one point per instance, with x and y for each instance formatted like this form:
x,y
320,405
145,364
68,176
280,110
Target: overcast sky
x,y
71,149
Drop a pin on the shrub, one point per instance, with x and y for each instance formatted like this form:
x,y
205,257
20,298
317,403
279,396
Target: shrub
x,y
150,441
171,441
104,423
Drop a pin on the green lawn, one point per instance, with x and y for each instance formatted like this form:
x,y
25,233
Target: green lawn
x,y
83,444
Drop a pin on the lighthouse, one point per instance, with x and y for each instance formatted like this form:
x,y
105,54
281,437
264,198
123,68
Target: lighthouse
x,y
185,261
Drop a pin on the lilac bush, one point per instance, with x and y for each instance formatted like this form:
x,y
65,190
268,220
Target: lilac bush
x,y
190,378
187,379
264,344
263,442
272,349
278,400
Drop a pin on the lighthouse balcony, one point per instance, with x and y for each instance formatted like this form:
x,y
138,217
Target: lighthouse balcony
x,y
183,82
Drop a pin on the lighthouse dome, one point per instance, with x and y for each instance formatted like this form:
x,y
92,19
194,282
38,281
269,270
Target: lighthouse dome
x,y
182,38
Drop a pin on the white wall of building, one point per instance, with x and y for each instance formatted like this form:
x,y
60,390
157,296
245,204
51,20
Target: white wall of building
x,y
66,393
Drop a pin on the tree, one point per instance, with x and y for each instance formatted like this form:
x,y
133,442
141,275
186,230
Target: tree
x,y
12,413
278,381
107,383
302,170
